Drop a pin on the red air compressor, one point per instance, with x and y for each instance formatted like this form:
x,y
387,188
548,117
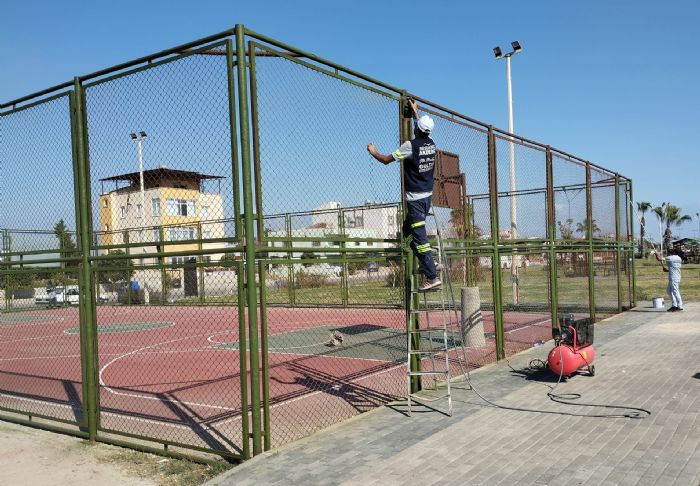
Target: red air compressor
x,y
573,348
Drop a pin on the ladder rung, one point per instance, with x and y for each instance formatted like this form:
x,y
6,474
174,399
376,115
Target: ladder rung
x,y
421,311
427,373
428,329
427,351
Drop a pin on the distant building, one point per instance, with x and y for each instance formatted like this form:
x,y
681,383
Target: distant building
x,y
371,220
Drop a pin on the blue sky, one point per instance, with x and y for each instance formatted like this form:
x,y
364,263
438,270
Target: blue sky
x,y
614,82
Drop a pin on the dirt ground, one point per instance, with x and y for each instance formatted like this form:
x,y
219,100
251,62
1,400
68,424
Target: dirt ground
x,y
30,457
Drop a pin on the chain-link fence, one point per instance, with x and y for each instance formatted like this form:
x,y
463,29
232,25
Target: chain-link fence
x,y
199,253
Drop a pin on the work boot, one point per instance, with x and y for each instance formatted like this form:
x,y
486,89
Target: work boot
x,y
429,284
672,309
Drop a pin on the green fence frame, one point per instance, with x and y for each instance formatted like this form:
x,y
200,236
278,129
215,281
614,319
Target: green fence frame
x,y
253,245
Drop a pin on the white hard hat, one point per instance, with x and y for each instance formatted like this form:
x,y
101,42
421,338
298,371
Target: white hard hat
x,y
425,124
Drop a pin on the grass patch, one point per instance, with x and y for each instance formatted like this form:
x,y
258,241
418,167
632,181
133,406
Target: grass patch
x,y
165,471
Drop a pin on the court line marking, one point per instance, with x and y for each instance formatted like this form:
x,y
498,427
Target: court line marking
x,y
146,397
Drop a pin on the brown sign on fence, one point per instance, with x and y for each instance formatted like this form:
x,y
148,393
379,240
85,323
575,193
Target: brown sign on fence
x,y
447,188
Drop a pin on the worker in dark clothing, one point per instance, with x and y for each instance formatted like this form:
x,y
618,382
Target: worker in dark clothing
x,y
418,156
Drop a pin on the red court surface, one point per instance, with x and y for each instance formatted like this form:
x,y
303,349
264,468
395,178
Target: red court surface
x,y
173,373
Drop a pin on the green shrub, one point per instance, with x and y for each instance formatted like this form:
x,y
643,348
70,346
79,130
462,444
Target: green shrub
x,y
309,280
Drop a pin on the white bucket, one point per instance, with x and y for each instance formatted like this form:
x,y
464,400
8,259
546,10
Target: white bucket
x,y
657,302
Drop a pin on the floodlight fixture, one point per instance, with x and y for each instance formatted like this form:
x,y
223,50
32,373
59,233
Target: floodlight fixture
x,y
516,47
497,52
143,134
133,136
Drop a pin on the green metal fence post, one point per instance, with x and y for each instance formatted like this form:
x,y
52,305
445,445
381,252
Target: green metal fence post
x,y
633,271
589,237
344,289
265,363
233,133
290,267
249,212
243,360
88,329
161,263
257,177
618,244
412,302
496,261
8,280
552,239
200,259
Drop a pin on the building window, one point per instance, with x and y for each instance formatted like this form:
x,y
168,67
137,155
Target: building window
x,y
139,211
357,243
155,206
105,203
370,243
179,207
122,212
182,233
315,243
205,212
177,260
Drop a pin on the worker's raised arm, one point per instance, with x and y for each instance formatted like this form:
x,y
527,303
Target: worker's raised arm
x,y
384,159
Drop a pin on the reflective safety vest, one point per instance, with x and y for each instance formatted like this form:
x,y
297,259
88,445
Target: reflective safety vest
x,y
418,170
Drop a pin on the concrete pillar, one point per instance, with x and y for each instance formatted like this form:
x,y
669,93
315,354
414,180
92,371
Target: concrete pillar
x,y
472,321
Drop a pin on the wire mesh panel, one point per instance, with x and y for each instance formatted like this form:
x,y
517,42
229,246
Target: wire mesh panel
x,y
313,131
335,308
569,198
522,186
469,144
327,363
472,324
603,204
528,321
40,372
605,278
572,283
163,193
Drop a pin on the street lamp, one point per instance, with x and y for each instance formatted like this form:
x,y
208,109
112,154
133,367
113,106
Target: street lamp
x,y
697,215
498,53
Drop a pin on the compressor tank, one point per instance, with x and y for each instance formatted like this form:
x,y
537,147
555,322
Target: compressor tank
x,y
565,360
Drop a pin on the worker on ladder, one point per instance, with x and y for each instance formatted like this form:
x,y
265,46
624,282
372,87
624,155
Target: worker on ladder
x,y
418,156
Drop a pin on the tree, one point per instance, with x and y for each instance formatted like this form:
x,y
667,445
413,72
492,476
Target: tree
x,y
582,227
565,229
670,215
119,270
642,207
460,226
66,244
308,255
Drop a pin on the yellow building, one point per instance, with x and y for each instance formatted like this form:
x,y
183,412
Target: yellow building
x,y
166,210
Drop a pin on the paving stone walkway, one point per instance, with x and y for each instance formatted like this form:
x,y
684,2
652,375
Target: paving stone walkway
x,y
646,358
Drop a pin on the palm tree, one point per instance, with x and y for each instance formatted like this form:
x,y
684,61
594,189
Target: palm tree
x,y
583,227
670,215
642,207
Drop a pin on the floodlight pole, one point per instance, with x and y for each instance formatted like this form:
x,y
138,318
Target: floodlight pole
x,y
514,259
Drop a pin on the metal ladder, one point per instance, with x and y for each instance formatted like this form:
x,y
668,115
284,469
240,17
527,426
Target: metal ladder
x,y
430,344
